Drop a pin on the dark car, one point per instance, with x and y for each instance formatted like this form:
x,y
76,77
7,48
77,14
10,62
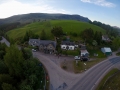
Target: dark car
x,y
85,59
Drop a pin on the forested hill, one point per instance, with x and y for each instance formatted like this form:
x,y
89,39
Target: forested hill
x,y
110,30
41,16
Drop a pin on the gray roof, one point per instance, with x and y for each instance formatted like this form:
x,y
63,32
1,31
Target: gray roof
x,y
67,43
83,47
47,42
105,36
35,41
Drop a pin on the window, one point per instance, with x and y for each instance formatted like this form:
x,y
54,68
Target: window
x,y
63,47
70,48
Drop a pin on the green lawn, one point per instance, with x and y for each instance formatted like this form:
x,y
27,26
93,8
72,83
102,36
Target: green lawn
x,y
70,52
97,51
112,83
80,67
69,26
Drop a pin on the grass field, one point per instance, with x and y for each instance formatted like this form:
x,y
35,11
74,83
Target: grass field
x,y
70,52
112,83
99,52
69,26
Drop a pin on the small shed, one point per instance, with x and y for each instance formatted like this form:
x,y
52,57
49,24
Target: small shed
x,y
84,53
107,51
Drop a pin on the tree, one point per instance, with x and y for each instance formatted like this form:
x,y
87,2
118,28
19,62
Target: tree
x,y
116,43
27,53
2,53
87,35
14,61
32,72
94,43
32,80
0,38
6,78
98,37
3,68
2,50
43,35
29,34
57,31
6,86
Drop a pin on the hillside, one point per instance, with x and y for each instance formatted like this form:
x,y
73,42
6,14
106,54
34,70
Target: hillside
x,y
69,26
25,18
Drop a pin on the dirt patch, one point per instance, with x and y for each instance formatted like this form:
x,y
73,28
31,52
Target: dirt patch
x,y
67,66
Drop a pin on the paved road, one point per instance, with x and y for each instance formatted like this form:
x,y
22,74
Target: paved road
x,y
62,80
92,77
5,41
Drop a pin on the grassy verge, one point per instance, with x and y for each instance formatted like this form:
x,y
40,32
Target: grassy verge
x,y
47,85
100,86
80,67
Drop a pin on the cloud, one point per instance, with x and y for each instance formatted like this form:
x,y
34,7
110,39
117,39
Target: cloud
x,y
14,7
100,3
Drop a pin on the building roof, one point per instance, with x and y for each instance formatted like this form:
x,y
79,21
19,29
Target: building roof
x,y
35,41
84,51
47,42
38,42
83,47
105,36
67,43
107,49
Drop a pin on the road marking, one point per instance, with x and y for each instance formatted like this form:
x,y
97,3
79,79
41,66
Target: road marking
x,y
92,87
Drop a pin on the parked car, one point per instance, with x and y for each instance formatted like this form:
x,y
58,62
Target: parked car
x,y
77,57
85,59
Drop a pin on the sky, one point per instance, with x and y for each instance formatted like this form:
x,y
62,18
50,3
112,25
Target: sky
x,y
105,11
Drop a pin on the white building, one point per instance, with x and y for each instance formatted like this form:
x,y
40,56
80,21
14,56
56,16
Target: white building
x,y
67,45
107,51
84,52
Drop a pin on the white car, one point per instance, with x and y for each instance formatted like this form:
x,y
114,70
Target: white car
x,y
77,57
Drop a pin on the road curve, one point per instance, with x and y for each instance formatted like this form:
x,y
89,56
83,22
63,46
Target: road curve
x,y
85,81
58,77
93,76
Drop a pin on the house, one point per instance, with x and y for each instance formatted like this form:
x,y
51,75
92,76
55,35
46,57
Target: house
x,y
47,46
67,45
107,51
83,51
105,38
34,42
